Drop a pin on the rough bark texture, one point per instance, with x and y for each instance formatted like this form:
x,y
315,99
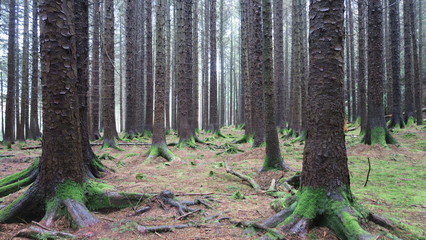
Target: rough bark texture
x,y
34,131
195,95
205,88
184,68
397,118
222,85
376,132
25,72
94,96
273,158
149,76
9,136
352,58
140,68
279,62
256,75
108,91
213,113
246,83
131,68
362,47
408,64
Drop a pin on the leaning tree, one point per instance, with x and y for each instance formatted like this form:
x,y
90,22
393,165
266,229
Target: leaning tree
x,y
62,181
325,196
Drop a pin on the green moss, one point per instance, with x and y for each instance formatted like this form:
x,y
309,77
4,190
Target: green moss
x,y
14,187
19,175
310,200
409,135
411,120
421,145
95,195
278,204
187,143
70,190
378,136
131,155
5,212
153,151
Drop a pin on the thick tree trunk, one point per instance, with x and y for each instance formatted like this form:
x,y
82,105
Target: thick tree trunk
x,y
205,88
20,133
416,82
9,136
397,118
195,95
245,77
352,58
95,72
140,68
168,63
222,87
108,91
279,63
149,76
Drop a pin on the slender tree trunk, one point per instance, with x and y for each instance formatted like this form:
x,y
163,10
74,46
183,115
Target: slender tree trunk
x,y
279,62
296,75
397,118
286,105
108,91
140,68
19,126
273,158
9,136
131,68
348,63
245,77
168,63
408,64
422,51
205,100
377,131
304,65
222,86
362,47
195,65
149,76
121,76
95,72
388,59
25,70
416,82
214,118
34,131
352,56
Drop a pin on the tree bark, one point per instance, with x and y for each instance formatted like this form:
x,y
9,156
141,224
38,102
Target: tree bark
x,y
362,65
213,113
408,64
95,72
108,91
205,88
195,94
279,62
9,136
25,72
416,82
149,76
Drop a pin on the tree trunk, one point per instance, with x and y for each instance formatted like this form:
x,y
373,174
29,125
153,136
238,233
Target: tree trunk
x,y
214,118
34,131
195,95
168,63
416,82
131,68
222,67
25,70
95,72
408,65
352,58
20,133
9,136
377,131
245,77
205,89
273,158
362,65
108,91
140,68
279,62
397,118
149,77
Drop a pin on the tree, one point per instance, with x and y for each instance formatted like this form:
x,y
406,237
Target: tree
x,y
416,83
255,71
25,73
159,146
195,95
62,180
213,113
408,66
397,118
362,47
184,72
9,136
325,194
131,90
205,68
94,96
376,131
34,131
149,77
279,62
273,158
108,92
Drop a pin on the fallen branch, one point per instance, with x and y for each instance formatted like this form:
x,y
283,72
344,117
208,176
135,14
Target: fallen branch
x,y
34,232
31,148
123,144
140,211
193,194
164,228
368,173
187,214
246,178
6,156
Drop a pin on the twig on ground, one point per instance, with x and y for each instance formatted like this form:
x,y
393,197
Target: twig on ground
x,y
187,214
246,178
368,173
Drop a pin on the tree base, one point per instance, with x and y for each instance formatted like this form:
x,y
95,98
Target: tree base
x,y
245,139
160,151
378,135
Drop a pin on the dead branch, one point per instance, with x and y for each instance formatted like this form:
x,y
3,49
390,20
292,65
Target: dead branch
x,y
368,173
164,228
187,214
193,194
246,178
140,211
6,156
34,232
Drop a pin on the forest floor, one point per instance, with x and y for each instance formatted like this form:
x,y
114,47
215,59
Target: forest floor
x,y
396,188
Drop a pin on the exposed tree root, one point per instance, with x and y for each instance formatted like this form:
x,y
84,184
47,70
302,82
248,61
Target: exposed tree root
x,y
160,151
219,134
190,143
39,233
140,211
246,178
6,156
19,180
167,197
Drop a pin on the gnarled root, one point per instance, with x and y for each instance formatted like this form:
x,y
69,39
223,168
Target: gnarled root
x,y
168,198
245,139
190,143
165,228
160,151
35,232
